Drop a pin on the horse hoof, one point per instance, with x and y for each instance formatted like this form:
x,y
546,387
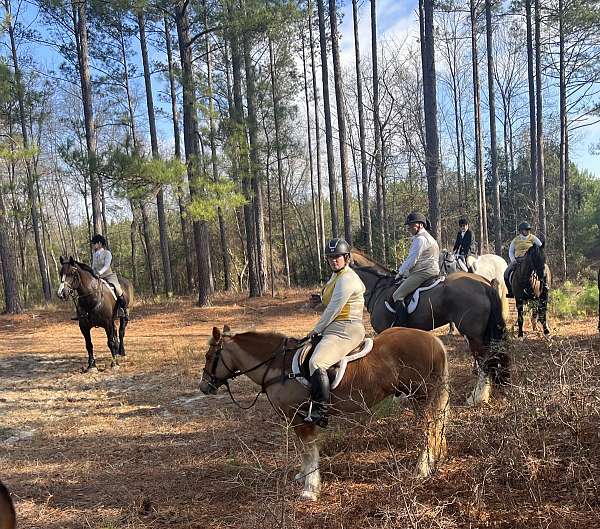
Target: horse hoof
x,y
308,495
92,369
115,366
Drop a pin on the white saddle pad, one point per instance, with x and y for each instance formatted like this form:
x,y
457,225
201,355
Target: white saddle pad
x,y
340,367
414,301
110,288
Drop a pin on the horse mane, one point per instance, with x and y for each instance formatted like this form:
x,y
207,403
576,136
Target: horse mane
x,y
256,340
85,267
369,262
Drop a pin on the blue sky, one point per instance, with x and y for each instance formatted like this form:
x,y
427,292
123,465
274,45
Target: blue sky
x,y
396,20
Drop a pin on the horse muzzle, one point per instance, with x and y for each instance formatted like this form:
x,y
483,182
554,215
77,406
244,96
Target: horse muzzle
x,y
63,292
209,388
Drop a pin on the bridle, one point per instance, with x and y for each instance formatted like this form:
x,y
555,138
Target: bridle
x,y
73,293
214,382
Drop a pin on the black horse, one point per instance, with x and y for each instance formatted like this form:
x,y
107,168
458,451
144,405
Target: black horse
x,y
96,306
531,282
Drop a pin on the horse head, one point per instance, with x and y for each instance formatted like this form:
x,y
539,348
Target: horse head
x,y
219,366
73,277
447,262
537,259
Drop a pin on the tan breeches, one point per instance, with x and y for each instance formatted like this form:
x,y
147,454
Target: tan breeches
x,y
114,280
411,283
339,338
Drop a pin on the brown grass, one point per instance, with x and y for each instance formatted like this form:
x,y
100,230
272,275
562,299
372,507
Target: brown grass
x,y
140,447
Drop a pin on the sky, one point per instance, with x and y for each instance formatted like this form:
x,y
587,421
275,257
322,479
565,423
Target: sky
x,y
397,21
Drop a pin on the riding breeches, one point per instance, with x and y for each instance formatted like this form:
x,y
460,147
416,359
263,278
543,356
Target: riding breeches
x,y
411,283
113,280
339,338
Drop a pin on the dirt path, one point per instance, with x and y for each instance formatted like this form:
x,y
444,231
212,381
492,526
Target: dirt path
x,y
141,447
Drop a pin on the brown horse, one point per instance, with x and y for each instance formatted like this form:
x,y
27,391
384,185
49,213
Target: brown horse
x,y
401,361
530,282
469,301
96,306
8,519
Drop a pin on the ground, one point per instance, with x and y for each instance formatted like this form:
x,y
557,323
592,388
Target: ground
x,y
141,447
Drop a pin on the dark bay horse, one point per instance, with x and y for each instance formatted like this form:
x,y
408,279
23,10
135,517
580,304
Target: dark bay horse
x,y
530,282
401,361
469,301
96,306
8,519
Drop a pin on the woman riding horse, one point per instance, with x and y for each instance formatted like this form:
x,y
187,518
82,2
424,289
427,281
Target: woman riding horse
x,y
421,264
464,246
517,250
341,326
101,266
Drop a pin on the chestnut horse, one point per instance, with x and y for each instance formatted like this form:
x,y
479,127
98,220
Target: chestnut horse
x,y
401,361
469,301
8,518
96,306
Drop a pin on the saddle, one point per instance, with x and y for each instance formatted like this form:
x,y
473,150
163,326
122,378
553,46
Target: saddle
x,y
412,300
300,370
111,288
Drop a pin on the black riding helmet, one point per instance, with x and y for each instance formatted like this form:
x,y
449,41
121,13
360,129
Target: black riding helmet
x,y
415,216
524,226
337,247
463,222
99,238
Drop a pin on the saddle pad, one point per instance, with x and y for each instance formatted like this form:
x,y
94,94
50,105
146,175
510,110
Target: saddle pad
x,y
111,289
414,300
339,369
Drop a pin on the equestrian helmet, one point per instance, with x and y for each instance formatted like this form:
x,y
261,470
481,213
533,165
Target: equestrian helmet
x,y
99,238
524,226
337,247
415,216
463,222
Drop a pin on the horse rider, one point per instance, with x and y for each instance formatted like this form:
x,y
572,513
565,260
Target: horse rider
x,y
341,326
101,266
464,245
517,250
421,265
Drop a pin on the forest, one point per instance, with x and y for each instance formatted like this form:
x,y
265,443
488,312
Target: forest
x,y
218,144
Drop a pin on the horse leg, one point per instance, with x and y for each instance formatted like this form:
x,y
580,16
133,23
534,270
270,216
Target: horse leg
x,y
436,415
113,345
122,327
483,389
86,331
310,461
520,316
543,307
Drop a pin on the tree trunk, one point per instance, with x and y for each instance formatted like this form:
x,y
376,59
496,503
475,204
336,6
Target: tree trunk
x,y
88,112
328,132
381,228
368,230
539,124
432,145
132,238
177,139
493,140
532,116
563,136
192,148
317,135
148,246
12,302
160,200
255,165
341,119
213,155
481,200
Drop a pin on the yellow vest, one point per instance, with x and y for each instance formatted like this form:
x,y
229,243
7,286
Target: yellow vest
x,y
327,292
522,245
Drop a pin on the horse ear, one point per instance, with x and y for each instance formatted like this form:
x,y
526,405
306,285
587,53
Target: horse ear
x,y
226,330
216,334
62,261
71,260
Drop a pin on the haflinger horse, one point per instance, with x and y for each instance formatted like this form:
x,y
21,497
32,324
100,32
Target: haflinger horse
x,y
469,301
489,265
530,282
402,361
8,519
96,306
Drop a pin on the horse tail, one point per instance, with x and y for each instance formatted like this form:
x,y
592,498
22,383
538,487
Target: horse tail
x,y
497,360
8,519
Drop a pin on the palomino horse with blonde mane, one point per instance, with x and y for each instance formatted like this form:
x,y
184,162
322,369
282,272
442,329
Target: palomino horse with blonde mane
x,y
8,518
469,301
401,361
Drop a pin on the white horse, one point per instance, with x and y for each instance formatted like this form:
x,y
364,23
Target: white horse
x,y
492,266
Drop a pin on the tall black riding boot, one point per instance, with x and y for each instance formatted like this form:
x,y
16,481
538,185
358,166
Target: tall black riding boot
x,y
122,312
319,396
507,281
401,314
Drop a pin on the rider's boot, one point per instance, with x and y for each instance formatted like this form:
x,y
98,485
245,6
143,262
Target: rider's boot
x,y
401,314
122,311
319,396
